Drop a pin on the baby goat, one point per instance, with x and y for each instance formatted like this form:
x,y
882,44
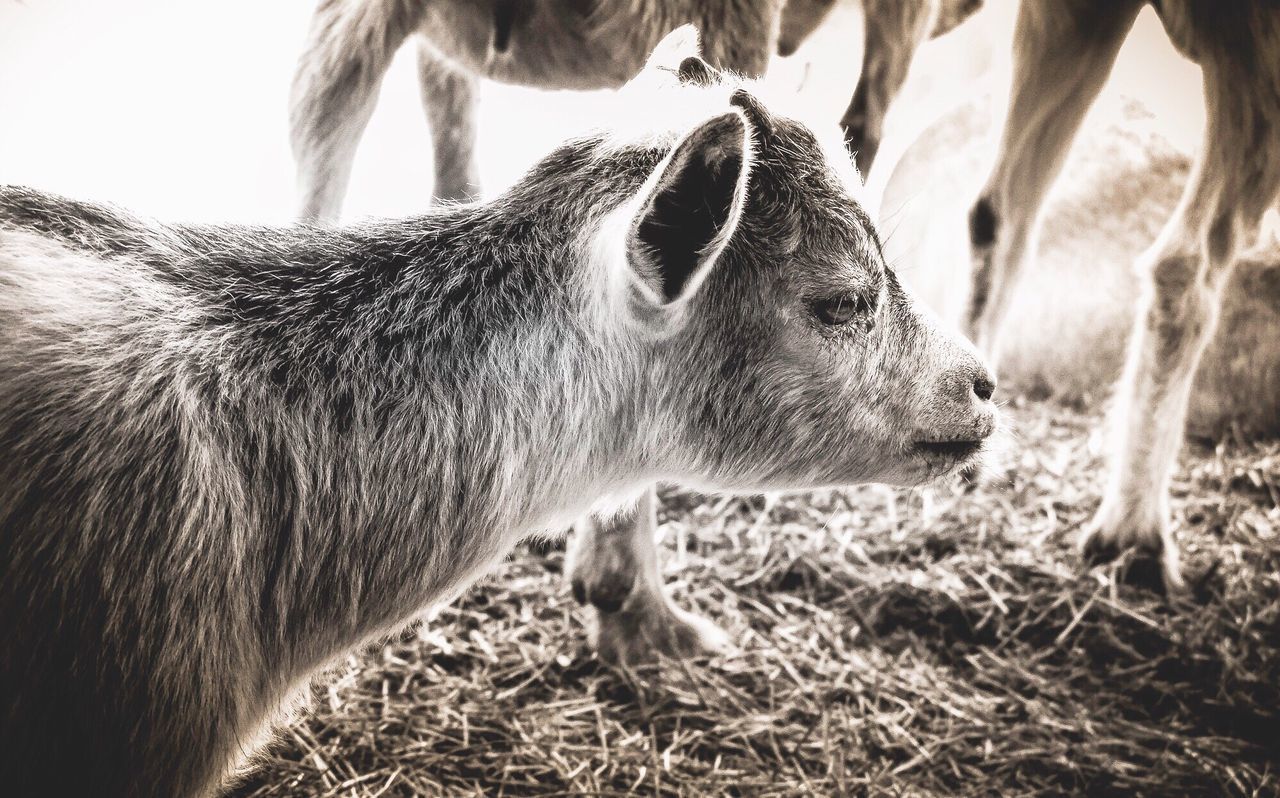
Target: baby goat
x,y
230,454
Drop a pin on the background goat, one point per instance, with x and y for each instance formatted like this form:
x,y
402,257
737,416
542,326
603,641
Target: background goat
x,y
1063,53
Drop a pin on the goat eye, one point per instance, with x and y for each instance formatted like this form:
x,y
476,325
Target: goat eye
x,y
842,309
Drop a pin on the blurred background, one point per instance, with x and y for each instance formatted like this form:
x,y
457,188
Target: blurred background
x,y
180,111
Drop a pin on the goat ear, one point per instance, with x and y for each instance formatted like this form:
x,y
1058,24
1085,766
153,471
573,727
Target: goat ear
x,y
755,112
691,210
693,70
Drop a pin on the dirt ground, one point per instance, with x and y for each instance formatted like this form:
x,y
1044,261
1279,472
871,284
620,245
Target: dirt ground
x,y
935,642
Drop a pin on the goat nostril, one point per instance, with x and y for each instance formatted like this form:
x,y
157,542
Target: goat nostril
x,y
984,387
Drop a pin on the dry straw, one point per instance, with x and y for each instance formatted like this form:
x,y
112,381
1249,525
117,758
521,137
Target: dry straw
x,y
891,643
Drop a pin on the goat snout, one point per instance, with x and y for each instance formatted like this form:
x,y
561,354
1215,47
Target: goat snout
x,y
981,392
965,415
969,389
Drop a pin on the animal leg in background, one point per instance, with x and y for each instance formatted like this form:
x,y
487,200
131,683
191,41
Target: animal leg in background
x,y
335,88
1062,55
800,18
894,29
449,97
1235,180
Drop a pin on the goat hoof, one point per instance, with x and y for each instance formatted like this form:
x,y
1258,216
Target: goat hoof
x,y
606,593
1098,549
649,630
1141,560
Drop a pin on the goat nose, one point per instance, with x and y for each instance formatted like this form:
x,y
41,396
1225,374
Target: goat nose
x,y
984,385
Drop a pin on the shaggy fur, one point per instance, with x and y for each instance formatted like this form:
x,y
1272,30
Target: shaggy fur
x,y
563,44
229,454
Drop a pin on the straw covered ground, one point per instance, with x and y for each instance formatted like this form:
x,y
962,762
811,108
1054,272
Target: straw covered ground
x,y
936,642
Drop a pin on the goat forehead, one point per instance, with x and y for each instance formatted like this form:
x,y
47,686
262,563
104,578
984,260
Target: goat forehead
x,y
837,249
824,182
829,226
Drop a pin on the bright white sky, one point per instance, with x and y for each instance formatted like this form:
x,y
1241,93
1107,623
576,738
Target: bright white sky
x,y
178,109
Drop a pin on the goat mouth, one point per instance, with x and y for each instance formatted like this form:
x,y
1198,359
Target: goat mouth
x,y
951,450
